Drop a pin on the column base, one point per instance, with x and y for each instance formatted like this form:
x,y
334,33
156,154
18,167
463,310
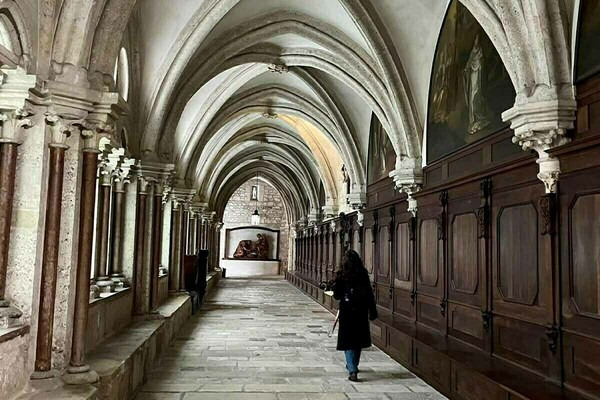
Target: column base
x,y
94,291
105,285
80,375
9,316
121,283
39,375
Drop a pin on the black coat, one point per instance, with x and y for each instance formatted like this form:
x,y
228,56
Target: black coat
x,y
357,306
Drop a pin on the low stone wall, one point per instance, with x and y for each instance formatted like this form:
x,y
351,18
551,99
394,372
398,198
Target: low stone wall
x,y
14,350
124,361
108,316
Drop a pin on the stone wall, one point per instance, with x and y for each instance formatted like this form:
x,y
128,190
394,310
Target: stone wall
x,y
271,208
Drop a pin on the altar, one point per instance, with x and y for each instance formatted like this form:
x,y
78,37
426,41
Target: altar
x,y
261,262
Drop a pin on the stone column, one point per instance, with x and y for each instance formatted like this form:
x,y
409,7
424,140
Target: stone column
x,y
78,371
140,244
175,246
183,243
12,123
121,178
157,246
218,227
103,281
59,131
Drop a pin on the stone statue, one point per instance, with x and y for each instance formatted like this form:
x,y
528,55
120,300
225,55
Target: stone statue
x,y
474,97
249,250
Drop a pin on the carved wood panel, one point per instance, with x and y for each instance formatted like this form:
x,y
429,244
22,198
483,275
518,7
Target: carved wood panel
x,y
518,270
428,267
463,255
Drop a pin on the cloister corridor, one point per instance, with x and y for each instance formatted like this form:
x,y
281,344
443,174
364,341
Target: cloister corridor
x,y
262,339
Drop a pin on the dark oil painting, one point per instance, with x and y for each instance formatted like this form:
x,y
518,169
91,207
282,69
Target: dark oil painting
x,y
470,88
382,157
588,37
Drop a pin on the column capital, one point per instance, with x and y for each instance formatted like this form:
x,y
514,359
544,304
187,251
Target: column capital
x,y
329,211
542,125
13,122
408,178
61,128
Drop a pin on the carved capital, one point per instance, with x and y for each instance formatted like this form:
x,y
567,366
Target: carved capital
x,y
408,178
541,126
13,123
60,129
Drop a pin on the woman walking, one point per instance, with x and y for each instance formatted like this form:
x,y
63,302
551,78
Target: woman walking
x,y
352,288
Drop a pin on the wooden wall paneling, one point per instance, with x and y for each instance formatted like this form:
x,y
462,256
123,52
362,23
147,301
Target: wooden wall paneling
x,y
384,255
467,256
404,262
580,253
431,301
369,240
522,304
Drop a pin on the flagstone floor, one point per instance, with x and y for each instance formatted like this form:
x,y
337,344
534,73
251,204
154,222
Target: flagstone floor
x,y
263,339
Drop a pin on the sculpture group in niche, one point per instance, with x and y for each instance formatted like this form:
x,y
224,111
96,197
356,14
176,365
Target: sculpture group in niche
x,y
249,250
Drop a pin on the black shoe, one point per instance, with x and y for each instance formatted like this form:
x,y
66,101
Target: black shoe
x,y
353,377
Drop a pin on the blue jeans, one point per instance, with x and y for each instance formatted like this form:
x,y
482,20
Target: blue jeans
x,y
352,360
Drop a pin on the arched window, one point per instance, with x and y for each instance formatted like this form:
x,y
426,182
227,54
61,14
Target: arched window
x,y
121,75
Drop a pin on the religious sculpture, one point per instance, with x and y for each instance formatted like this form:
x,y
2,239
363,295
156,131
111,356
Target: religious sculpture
x,y
247,249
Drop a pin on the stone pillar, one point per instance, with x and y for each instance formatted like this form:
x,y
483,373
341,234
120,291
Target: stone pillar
x,y
121,178
175,246
218,228
157,245
185,212
140,245
43,356
12,123
78,371
103,281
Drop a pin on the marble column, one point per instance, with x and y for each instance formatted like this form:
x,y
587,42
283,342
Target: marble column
x,y
8,164
12,123
47,298
175,247
157,246
103,281
140,244
183,244
116,263
78,371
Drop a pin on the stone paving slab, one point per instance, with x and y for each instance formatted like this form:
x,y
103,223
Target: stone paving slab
x,y
260,339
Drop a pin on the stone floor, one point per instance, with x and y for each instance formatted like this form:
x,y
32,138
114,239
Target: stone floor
x,y
262,339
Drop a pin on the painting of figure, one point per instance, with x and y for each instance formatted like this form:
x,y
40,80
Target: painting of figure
x,y
470,88
382,157
588,50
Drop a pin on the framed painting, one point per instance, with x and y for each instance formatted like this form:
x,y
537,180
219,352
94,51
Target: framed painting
x,y
382,157
588,33
470,87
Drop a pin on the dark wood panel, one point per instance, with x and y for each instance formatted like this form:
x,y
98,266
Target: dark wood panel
x,y
473,387
432,364
518,273
403,274
403,303
582,366
428,273
464,255
399,346
465,323
522,343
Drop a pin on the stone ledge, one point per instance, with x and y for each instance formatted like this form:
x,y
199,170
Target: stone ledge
x,y
124,360
7,334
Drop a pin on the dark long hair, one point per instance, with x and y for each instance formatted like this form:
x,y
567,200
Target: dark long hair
x,y
352,267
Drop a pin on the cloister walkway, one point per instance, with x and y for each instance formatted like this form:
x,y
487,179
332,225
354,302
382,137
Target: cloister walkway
x,y
262,339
